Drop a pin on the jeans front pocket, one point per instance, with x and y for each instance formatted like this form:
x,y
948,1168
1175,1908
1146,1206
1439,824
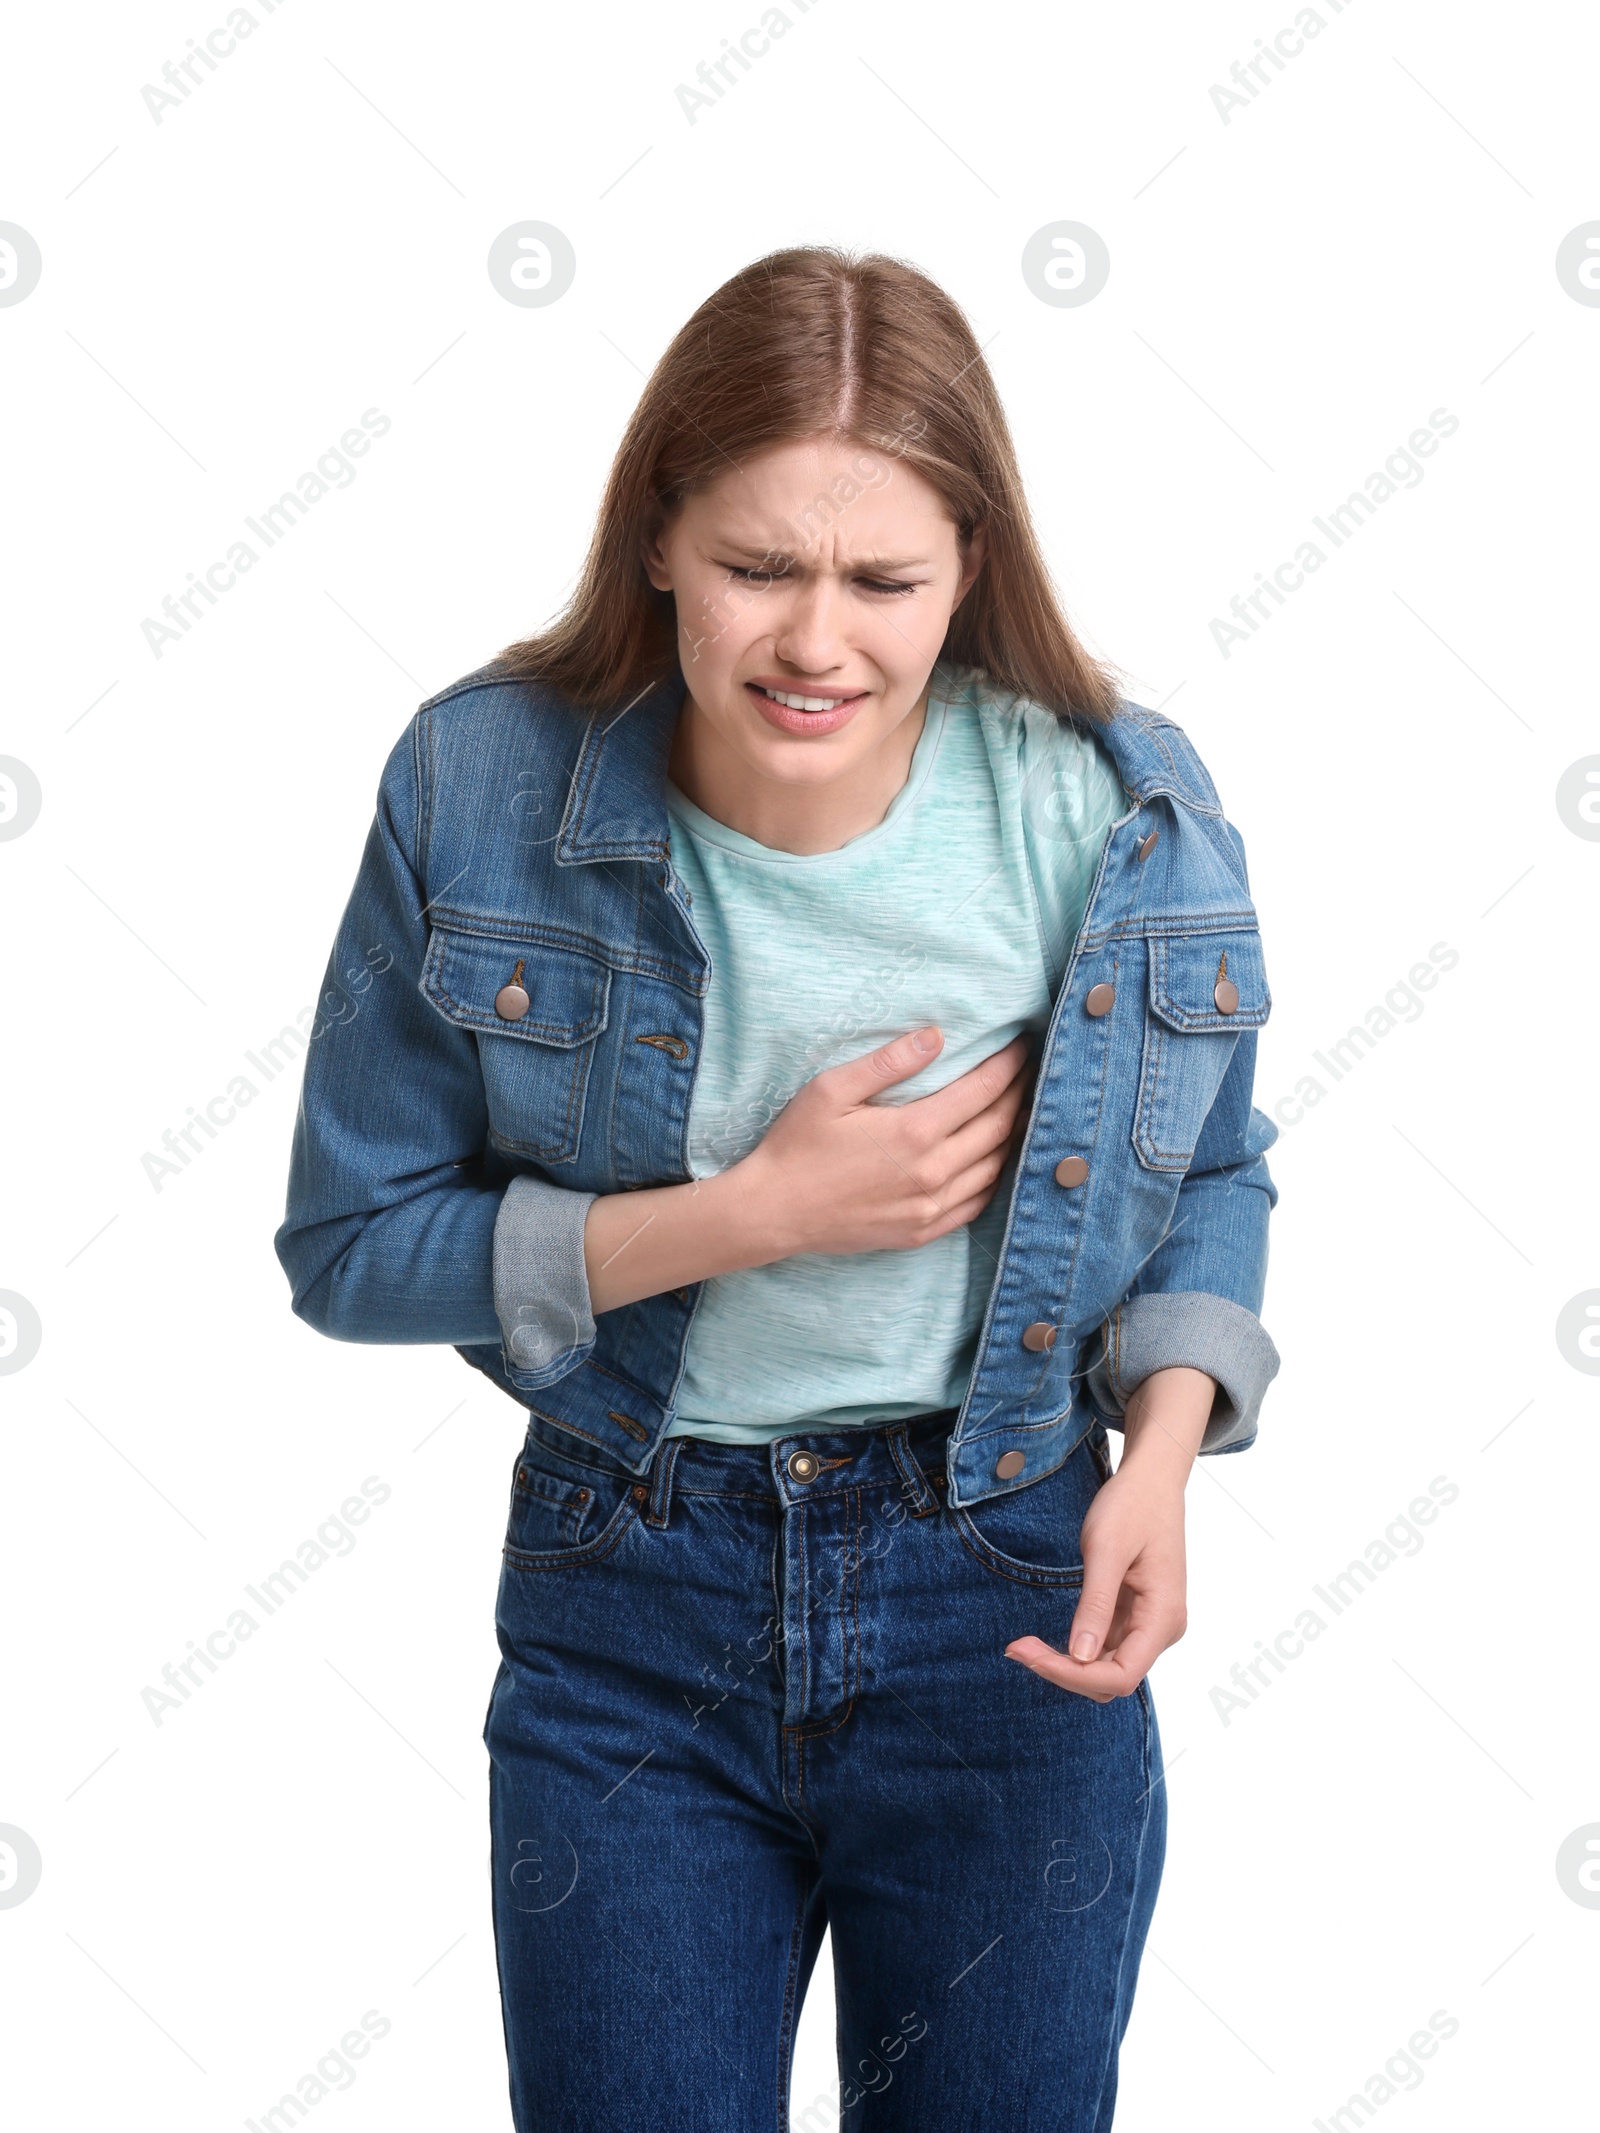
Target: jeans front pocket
x,y
1033,1534
549,1509
565,1513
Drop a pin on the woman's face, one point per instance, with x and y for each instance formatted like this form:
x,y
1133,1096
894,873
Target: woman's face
x,y
823,572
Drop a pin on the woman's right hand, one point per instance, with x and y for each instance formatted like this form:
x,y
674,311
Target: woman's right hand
x,y
837,1172
834,1172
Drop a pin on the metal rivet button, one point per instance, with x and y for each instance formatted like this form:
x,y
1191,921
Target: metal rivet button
x,y
1071,1170
1009,1463
1149,844
511,1001
1100,999
1039,1336
1226,996
803,1466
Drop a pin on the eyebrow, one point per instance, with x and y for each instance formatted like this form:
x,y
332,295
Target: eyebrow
x,y
863,562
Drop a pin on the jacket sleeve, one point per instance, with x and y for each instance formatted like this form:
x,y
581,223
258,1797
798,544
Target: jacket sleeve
x,y
393,1231
1197,1298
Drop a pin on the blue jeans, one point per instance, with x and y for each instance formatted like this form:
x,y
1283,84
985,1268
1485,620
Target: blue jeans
x,y
763,1691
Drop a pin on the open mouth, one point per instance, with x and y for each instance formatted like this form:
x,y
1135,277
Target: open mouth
x,y
805,711
793,701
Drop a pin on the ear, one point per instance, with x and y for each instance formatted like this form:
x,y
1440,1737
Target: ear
x,y
653,557
972,562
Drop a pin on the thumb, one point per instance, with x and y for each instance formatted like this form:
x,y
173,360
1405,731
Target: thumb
x,y
859,1079
1102,1584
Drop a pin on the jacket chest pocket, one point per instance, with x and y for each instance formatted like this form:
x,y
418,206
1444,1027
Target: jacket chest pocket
x,y
1204,989
537,1013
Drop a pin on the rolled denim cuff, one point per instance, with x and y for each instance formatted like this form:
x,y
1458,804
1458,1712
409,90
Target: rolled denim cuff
x,y
1210,1333
541,1284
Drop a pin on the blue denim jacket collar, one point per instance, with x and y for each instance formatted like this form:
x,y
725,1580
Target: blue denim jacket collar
x,y
616,808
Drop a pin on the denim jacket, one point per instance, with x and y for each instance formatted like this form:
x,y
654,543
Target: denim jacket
x,y
446,1152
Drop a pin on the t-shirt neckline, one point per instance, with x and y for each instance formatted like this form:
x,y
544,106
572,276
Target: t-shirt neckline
x,y
710,831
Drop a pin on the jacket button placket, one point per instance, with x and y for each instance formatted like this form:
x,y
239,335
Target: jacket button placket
x,y
1040,1337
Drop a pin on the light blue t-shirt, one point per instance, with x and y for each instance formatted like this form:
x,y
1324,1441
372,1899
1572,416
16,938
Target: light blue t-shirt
x,y
961,908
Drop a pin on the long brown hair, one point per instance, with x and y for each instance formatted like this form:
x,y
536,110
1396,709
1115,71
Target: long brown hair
x,y
815,341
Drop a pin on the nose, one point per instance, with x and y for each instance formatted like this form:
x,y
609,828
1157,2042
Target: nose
x,y
809,638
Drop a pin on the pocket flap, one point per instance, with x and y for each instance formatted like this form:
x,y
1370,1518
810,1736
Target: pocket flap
x,y
463,974
1187,970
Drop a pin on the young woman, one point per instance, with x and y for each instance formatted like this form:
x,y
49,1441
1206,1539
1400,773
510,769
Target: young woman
x,y
800,1046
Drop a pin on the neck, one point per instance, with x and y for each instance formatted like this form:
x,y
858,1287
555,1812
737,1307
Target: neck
x,y
786,815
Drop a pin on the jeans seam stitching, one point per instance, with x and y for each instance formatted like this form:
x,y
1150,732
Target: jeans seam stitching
x,y
786,2025
1023,1574
575,1558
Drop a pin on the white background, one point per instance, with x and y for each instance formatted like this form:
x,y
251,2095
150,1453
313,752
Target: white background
x,y
1292,292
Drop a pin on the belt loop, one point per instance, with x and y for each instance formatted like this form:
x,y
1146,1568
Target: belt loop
x,y
922,1497
661,1466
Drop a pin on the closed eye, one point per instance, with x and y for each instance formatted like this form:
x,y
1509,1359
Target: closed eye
x,y
756,576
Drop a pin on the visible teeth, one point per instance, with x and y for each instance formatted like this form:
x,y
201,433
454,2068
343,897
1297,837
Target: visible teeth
x,y
802,703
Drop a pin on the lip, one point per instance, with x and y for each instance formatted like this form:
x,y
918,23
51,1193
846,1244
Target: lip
x,y
804,722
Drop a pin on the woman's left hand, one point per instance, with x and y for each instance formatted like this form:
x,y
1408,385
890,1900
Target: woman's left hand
x,y
1133,1601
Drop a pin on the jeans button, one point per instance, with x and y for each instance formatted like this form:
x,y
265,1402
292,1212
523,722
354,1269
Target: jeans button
x,y
1039,1336
1009,1463
802,1466
1100,999
1071,1170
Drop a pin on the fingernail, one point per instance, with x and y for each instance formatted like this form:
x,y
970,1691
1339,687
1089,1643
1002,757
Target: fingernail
x,y
1083,1647
925,1040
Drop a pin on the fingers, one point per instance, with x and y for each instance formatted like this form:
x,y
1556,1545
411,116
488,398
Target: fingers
x,y
946,1109
1118,1673
1117,1632
858,1079
955,1215
960,1175
1102,1583
1000,1126
944,1152
976,1182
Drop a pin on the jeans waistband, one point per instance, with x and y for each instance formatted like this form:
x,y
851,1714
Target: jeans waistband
x,y
796,1468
